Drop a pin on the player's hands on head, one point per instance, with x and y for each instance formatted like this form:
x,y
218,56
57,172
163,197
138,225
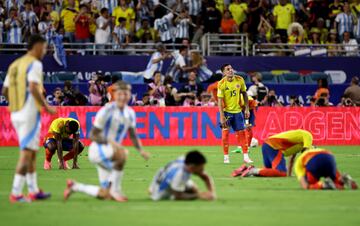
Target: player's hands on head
x,y
50,109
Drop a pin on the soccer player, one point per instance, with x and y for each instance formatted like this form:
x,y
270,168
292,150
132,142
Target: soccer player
x,y
230,90
173,181
274,151
112,123
23,88
58,140
315,164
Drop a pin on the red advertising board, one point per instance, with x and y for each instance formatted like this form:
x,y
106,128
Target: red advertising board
x,y
200,125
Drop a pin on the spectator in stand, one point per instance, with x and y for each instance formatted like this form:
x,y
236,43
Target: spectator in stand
x,y
284,15
238,9
13,26
199,63
103,30
265,31
145,33
121,34
316,9
295,33
163,26
228,24
16,4
294,102
170,92
320,24
97,90
156,89
72,97
211,18
45,27
29,20
356,12
143,11
315,37
332,40
191,91
2,29
344,21
205,100
82,23
335,8
271,100
323,89
67,16
350,45
182,26
156,62
194,7
145,101
55,17
323,101
58,97
258,90
353,91
346,102
108,4
256,10
123,10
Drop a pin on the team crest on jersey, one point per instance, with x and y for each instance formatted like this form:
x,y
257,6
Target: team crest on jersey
x,y
238,86
226,88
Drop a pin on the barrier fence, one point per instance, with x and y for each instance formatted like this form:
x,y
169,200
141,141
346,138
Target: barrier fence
x,y
200,126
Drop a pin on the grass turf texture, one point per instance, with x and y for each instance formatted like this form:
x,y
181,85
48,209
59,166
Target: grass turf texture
x,y
249,201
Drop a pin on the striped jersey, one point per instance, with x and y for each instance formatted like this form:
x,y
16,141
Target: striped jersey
x,y
1,31
29,19
14,35
152,67
121,33
109,4
115,122
182,28
174,69
46,30
194,7
163,26
345,23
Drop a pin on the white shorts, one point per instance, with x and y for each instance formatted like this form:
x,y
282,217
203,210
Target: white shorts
x,y
27,124
101,154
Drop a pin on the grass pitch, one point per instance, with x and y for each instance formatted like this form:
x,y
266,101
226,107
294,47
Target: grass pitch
x,y
249,201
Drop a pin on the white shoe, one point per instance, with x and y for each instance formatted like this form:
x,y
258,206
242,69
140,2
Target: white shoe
x,y
226,159
248,160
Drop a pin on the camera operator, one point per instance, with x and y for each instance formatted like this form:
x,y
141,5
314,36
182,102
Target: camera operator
x,y
58,97
97,90
323,101
346,102
294,102
271,100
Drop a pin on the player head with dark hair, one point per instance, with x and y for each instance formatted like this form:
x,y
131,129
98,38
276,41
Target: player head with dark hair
x,y
227,70
72,127
183,50
121,20
37,46
195,162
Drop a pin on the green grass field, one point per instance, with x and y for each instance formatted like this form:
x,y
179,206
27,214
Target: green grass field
x,y
249,201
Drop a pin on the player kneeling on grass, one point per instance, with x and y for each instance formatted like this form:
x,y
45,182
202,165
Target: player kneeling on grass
x,y
274,151
58,140
314,164
173,181
111,125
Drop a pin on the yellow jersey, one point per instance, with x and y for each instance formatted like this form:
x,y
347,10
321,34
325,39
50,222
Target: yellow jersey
x,y
290,142
58,126
284,15
304,158
128,14
238,12
68,16
230,92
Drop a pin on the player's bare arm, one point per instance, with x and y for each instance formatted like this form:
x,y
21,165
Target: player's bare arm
x,y
210,194
246,102
221,110
76,138
95,135
304,184
59,151
137,143
291,163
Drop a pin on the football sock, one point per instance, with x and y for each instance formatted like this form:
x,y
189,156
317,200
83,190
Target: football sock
x,y
91,190
18,184
31,181
69,156
225,141
315,186
249,135
116,178
48,154
242,140
266,172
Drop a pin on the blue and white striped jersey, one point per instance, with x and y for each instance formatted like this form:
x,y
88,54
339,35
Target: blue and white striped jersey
x,y
182,28
115,122
109,4
194,7
152,67
46,30
14,35
163,26
29,20
345,23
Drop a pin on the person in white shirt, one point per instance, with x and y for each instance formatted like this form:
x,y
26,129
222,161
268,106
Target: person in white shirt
x,y
350,45
112,123
178,68
45,27
155,63
13,26
173,181
103,30
29,19
258,90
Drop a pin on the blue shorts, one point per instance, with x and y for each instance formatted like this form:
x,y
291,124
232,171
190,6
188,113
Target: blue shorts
x,y
273,159
235,120
67,143
322,165
252,118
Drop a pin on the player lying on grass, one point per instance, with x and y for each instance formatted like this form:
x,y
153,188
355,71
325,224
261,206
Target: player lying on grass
x,y
173,181
274,151
231,89
58,140
23,88
314,164
112,123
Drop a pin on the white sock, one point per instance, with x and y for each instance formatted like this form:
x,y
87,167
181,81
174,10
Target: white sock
x,y
246,155
91,190
239,146
116,178
226,156
18,184
31,180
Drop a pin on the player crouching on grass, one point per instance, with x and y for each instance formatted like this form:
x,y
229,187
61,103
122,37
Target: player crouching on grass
x,y
173,181
58,140
112,123
274,151
315,164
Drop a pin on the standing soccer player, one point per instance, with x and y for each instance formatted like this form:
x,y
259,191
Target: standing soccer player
x,y
111,124
230,89
23,88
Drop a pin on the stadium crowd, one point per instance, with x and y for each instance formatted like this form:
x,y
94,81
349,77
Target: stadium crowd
x,y
148,21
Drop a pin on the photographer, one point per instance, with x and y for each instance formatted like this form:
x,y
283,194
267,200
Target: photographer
x,y
271,100
346,102
156,90
58,97
323,101
97,90
294,102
